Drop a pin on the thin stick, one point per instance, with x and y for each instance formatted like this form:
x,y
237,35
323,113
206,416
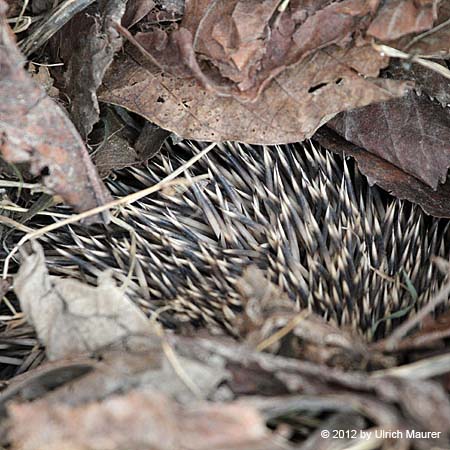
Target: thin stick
x,y
167,181
419,370
427,33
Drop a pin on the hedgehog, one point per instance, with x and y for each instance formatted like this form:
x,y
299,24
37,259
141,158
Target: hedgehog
x,y
305,216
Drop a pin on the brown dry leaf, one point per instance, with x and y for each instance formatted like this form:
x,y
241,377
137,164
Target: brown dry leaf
x,y
412,133
250,42
41,75
293,106
35,130
135,11
141,419
389,177
71,317
425,80
399,17
116,152
89,44
150,141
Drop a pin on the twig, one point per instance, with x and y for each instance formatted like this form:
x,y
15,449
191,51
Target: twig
x,y
427,33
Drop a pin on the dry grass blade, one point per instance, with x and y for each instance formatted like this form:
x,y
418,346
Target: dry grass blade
x,y
171,356
282,332
14,224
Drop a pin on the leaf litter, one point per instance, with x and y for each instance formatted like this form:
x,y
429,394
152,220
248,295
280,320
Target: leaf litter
x,y
35,130
103,375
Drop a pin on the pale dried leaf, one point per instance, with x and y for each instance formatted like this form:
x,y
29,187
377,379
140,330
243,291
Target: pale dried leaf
x,y
71,317
141,419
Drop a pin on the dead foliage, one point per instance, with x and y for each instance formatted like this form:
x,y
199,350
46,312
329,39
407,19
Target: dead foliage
x,y
145,388
89,43
35,130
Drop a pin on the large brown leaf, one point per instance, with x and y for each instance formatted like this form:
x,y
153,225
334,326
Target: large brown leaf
x,y
293,106
413,133
248,43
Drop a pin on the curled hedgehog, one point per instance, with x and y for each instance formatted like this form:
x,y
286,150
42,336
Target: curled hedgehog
x,y
307,217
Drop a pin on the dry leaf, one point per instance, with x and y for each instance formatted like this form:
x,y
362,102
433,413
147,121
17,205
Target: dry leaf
x,y
399,17
389,177
251,42
264,76
136,10
434,43
71,317
141,419
299,101
415,135
41,75
89,45
116,153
